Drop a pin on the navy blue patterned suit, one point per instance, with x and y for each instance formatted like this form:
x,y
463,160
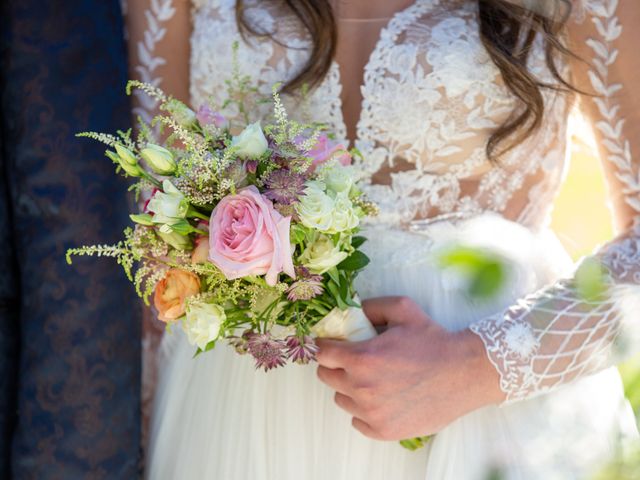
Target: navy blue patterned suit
x,y
69,336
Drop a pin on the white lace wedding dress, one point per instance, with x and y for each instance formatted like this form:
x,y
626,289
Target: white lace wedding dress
x,y
431,98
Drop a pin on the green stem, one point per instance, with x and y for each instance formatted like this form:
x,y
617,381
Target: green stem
x,y
148,177
194,213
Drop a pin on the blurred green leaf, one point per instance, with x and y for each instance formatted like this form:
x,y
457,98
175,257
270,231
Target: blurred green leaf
x,y
356,261
590,279
485,270
416,443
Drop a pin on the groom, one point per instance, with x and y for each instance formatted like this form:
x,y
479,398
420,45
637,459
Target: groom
x,y
69,336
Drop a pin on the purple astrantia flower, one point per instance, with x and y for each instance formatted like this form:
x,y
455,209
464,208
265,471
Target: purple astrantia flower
x,y
301,350
284,186
305,288
268,351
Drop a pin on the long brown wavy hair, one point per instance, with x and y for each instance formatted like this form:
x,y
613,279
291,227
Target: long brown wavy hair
x,y
507,30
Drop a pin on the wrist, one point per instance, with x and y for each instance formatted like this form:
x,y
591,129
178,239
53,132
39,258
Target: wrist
x,y
481,376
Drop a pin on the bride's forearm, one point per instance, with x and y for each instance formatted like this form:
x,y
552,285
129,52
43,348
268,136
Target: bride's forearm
x,y
571,329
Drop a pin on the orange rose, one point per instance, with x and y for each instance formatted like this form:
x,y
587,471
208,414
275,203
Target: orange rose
x,y
171,292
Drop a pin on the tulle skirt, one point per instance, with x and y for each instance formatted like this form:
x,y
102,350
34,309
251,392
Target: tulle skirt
x,y
216,417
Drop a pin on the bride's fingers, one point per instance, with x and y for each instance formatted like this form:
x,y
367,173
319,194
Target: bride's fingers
x,y
383,311
334,378
334,353
365,429
347,404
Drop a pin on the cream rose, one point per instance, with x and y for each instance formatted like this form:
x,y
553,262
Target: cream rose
x,y
315,208
322,255
338,178
251,143
202,323
344,216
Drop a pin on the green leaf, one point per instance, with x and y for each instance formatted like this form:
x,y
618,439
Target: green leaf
x,y
356,261
356,242
334,274
484,270
335,292
416,443
298,234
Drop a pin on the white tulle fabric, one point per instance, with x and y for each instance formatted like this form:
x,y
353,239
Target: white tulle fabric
x,y
431,99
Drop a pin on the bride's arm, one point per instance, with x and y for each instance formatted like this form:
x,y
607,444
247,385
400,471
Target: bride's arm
x,y
159,47
558,334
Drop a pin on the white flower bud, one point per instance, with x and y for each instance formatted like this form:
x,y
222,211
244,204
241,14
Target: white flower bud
x,y
126,155
131,170
177,241
159,159
170,206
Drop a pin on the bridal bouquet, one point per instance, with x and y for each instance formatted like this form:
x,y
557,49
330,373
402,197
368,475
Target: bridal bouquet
x,y
248,232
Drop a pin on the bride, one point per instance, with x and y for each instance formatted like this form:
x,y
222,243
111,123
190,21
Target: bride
x,y
460,108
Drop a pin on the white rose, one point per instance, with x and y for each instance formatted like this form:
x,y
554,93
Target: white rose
x,y
351,324
345,217
202,323
169,206
251,143
322,255
338,178
316,208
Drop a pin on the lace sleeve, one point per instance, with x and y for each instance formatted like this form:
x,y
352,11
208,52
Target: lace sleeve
x,y
158,37
561,333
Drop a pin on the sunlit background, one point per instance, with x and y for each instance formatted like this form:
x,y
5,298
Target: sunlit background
x,y
582,220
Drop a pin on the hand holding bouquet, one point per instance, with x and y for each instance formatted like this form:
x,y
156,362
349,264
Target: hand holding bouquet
x,y
249,232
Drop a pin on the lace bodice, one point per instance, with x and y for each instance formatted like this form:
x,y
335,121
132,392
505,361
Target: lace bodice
x,y
423,126
431,98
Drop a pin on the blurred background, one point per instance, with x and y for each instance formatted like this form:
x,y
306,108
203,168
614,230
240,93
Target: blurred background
x,y
582,221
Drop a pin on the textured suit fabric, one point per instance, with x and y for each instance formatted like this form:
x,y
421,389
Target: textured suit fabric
x,y
72,334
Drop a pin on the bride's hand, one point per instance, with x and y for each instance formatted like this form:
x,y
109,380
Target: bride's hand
x,y
413,379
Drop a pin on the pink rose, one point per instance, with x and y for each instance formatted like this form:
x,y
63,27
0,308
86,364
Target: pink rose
x,y
249,237
326,149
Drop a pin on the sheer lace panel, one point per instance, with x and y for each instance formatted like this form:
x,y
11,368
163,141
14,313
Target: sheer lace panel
x,y
558,335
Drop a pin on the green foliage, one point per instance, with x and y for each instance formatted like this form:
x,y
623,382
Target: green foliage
x,y
354,262
485,270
